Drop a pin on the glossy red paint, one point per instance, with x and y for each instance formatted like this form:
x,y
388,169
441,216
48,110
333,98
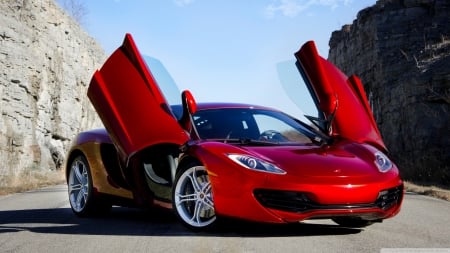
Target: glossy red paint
x,y
340,175
333,179
189,102
130,103
353,119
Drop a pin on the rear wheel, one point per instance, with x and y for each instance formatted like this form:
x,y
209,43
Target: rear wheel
x,y
352,222
193,199
81,194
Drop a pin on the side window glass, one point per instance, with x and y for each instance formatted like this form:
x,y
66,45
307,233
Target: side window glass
x,y
296,89
165,81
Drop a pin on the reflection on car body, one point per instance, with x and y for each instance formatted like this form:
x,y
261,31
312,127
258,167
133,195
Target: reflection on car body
x,y
211,160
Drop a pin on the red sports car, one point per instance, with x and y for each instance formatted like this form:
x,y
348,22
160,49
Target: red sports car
x,y
212,160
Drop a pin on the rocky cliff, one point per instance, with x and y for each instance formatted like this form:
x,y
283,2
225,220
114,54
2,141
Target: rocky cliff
x,y
46,62
401,51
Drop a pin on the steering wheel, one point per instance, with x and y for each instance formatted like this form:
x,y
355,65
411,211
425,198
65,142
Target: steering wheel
x,y
272,135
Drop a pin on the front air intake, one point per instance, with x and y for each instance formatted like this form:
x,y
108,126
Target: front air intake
x,y
389,197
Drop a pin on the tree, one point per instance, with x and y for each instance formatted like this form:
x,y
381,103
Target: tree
x,y
75,8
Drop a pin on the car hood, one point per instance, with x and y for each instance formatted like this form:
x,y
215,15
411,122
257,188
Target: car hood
x,y
341,99
343,160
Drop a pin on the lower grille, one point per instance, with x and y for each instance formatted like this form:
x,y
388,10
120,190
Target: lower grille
x,y
284,200
299,202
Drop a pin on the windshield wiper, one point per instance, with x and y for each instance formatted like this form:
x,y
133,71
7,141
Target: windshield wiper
x,y
246,141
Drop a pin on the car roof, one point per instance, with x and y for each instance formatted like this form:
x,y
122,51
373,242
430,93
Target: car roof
x,y
177,109
218,105
226,105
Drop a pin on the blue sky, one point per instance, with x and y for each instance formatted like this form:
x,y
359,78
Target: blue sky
x,y
222,50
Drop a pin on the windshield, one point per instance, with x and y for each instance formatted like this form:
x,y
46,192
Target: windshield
x,y
248,124
258,122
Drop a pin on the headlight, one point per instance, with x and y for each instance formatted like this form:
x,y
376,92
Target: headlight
x,y
254,163
382,162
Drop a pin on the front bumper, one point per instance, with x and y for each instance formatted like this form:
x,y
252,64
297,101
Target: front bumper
x,y
259,200
291,205
299,202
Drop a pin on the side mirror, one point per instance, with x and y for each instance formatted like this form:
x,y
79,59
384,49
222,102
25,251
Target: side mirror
x,y
189,108
189,104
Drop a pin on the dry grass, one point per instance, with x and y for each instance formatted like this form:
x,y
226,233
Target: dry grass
x,y
29,180
429,190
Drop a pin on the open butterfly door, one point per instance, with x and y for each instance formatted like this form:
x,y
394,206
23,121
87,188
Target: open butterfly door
x,y
342,100
131,105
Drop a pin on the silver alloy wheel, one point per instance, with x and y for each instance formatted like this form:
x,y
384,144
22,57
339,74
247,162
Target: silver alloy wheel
x,y
79,184
193,198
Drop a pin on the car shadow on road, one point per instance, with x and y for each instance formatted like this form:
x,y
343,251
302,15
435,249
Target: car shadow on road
x,y
137,222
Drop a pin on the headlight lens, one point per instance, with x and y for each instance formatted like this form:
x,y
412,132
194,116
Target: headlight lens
x,y
254,163
382,162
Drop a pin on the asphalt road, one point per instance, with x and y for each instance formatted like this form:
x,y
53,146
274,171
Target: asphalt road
x,y
41,221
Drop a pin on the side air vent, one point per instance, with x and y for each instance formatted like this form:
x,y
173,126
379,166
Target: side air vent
x,y
389,197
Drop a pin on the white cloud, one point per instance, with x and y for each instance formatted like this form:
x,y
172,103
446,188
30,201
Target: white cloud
x,y
182,3
291,8
333,3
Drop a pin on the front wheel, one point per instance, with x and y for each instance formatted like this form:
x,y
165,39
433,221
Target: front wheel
x,y
193,199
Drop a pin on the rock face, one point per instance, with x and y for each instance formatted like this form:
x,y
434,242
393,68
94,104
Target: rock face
x,y
46,62
401,51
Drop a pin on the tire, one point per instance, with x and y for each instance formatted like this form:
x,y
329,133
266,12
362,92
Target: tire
x,y
80,188
193,199
352,222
